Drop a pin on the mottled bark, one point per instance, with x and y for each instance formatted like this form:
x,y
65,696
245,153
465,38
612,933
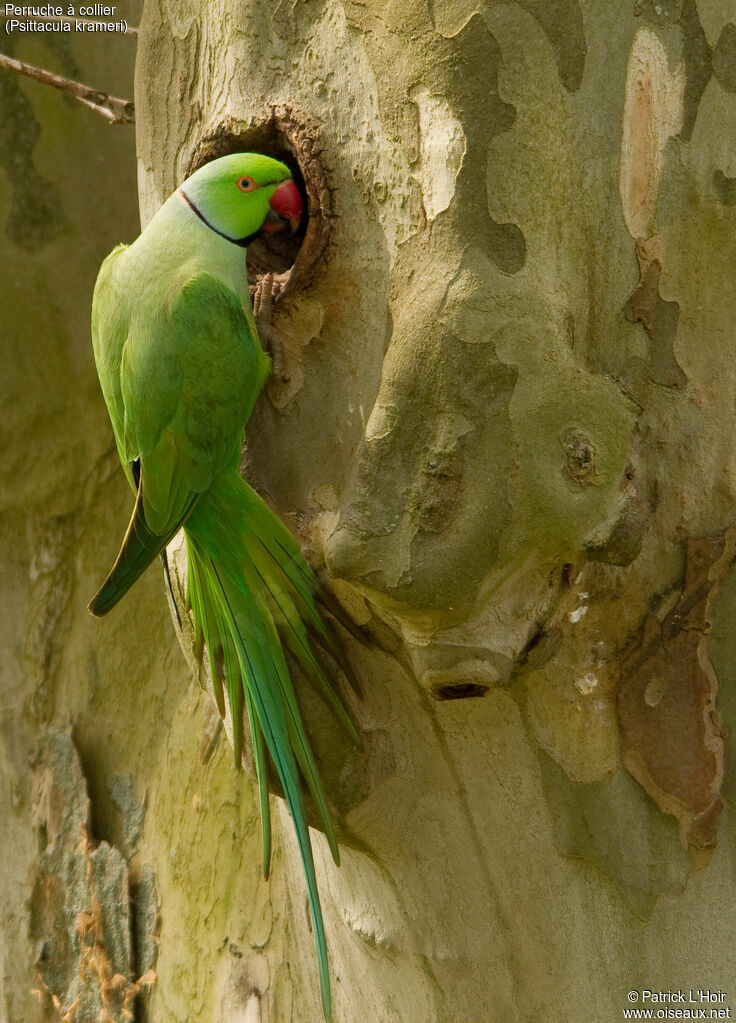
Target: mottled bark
x,y
506,441
77,905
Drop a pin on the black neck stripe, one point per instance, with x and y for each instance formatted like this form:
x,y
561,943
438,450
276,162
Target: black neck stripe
x,y
242,242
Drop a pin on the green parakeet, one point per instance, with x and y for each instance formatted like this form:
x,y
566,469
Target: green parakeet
x,y
181,366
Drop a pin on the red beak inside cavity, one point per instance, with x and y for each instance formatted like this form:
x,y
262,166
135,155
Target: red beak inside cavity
x,y
286,208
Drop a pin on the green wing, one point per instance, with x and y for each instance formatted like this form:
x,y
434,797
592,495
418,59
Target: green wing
x,y
110,328
180,377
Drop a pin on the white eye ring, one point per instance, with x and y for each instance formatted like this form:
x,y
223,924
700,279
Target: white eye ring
x,y
246,184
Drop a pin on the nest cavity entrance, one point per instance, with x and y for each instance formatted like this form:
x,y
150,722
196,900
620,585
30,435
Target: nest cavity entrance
x,y
294,260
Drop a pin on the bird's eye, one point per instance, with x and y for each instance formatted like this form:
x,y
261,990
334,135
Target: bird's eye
x,y
246,184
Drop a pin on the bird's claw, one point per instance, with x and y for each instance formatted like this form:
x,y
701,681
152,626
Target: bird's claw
x,y
267,291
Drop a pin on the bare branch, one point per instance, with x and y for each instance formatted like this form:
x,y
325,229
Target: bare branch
x,y
117,111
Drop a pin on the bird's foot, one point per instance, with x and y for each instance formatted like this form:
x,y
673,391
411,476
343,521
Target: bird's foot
x,y
267,291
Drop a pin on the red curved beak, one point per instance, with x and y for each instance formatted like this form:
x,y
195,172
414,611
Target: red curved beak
x,y
286,208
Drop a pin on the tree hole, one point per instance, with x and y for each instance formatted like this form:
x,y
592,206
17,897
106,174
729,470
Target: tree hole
x,y
459,691
295,260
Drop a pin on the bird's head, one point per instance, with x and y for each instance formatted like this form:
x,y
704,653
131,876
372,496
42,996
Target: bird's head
x,y
239,195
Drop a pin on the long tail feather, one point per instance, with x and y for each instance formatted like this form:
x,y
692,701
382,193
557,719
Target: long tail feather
x,y
259,757
255,673
139,548
252,597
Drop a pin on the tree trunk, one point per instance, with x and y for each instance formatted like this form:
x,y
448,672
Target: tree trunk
x,y
505,441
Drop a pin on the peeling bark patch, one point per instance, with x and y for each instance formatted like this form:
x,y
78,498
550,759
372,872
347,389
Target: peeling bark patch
x,y
658,317
475,46
666,700
653,112
724,58
624,543
590,820
562,21
659,12
442,146
80,903
725,188
698,59
145,922
696,52
507,245
122,793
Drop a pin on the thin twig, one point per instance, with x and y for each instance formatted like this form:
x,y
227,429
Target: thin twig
x,y
130,30
117,111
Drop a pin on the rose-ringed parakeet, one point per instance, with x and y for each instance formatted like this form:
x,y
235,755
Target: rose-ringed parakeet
x,y
181,366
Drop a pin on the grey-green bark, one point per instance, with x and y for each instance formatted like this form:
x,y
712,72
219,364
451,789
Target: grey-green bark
x,y
507,437
67,195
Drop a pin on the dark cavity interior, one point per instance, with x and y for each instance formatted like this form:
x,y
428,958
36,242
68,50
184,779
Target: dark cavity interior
x,y
460,691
